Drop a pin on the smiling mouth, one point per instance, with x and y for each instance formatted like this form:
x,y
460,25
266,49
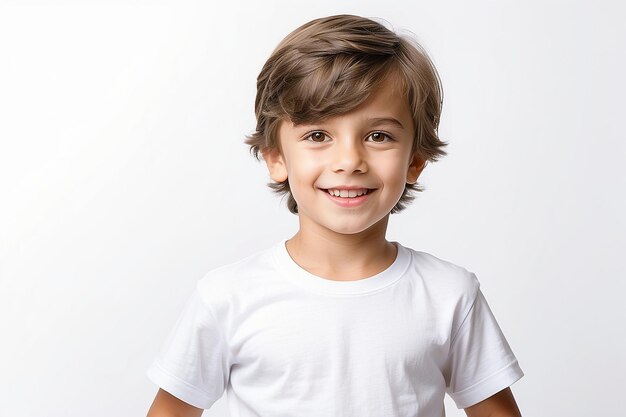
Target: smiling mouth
x,y
348,193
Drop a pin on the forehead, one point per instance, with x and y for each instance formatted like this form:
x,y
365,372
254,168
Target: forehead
x,y
388,98
387,101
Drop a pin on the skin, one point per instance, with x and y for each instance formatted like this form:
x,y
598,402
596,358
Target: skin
x,y
340,243
368,146
501,404
166,405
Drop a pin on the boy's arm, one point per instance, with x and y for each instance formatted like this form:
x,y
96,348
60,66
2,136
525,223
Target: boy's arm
x,y
501,404
166,405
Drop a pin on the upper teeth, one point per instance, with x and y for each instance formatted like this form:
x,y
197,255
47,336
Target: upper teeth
x,y
347,193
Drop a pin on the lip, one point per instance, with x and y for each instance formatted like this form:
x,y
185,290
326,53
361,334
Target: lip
x,y
347,187
349,202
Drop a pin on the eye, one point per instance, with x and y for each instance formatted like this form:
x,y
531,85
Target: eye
x,y
379,137
316,136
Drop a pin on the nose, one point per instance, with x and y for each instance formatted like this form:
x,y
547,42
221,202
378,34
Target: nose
x,y
348,157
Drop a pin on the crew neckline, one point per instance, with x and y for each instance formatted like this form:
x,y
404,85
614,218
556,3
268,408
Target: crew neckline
x,y
291,270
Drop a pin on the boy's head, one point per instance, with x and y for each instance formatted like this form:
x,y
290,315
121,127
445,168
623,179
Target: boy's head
x,y
331,66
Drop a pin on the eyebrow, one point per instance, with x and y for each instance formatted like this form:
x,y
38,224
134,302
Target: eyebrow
x,y
385,120
372,120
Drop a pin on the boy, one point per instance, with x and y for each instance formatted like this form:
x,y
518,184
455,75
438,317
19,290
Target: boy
x,y
338,321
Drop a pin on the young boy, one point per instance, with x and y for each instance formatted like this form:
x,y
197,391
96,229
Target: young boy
x,y
338,321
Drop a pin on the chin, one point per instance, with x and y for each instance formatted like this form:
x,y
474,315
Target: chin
x,y
351,229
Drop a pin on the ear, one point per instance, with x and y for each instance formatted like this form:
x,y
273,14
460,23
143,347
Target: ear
x,y
416,167
275,164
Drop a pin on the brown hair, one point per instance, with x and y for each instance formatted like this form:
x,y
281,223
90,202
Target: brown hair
x,y
329,66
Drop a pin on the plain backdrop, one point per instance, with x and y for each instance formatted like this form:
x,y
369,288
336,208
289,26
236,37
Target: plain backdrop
x,y
124,179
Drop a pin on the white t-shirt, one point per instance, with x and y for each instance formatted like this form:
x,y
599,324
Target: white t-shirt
x,y
283,342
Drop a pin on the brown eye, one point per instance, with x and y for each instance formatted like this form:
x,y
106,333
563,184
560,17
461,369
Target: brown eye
x,y
317,136
379,137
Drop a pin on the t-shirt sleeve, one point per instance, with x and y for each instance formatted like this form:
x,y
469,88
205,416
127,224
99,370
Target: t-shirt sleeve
x,y
193,363
480,362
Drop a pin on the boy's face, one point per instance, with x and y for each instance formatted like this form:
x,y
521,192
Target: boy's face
x,y
367,148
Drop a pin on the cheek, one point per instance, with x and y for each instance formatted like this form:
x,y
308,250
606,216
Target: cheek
x,y
303,174
393,170
306,169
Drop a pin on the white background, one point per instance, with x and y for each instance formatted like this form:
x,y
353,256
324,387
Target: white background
x,y
124,178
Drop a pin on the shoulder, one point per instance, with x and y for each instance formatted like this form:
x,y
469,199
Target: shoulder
x,y
444,287
443,277
236,277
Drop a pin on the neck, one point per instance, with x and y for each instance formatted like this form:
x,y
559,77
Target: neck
x,y
342,257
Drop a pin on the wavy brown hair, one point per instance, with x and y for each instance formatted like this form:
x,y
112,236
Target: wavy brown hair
x,y
328,67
